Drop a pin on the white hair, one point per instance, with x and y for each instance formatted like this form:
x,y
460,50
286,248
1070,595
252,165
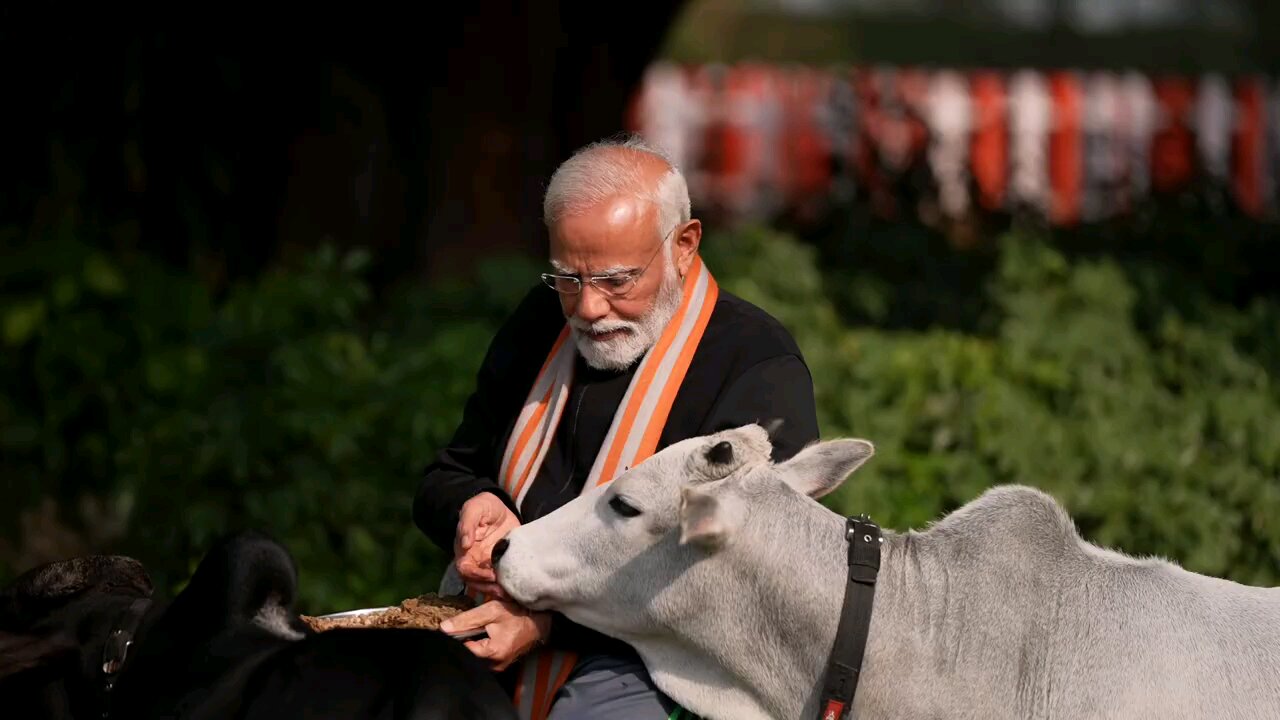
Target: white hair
x,y
611,168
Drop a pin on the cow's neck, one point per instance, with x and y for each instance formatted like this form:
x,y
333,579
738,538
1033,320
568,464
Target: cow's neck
x,y
831,551
944,634
922,652
758,644
911,598
915,635
771,663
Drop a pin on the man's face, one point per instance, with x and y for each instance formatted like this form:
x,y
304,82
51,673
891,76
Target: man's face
x,y
616,237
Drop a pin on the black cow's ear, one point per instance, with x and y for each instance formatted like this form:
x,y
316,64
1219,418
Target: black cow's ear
x,y
19,652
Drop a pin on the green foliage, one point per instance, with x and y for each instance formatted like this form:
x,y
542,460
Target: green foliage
x,y
292,405
1149,410
301,404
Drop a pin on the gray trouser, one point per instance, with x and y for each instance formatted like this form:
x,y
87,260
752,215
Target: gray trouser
x,y
603,686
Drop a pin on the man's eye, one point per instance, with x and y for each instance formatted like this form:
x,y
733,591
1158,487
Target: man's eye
x,y
621,507
616,282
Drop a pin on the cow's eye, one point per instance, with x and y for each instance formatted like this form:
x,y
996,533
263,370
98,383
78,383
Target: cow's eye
x,y
621,507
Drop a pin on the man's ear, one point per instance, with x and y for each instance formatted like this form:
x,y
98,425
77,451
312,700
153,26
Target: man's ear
x,y
20,652
822,467
686,244
707,521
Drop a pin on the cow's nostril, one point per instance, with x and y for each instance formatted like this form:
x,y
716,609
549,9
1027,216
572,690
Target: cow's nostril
x,y
498,549
721,453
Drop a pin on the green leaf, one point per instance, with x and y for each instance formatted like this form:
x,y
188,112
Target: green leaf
x,y
357,261
22,320
65,291
102,276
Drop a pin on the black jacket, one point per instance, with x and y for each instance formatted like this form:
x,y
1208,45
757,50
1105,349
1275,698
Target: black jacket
x,y
747,368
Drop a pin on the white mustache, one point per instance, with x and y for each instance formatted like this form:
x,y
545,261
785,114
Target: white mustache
x,y
601,326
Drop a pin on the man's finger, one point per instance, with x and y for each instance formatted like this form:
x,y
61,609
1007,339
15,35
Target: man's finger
x,y
471,571
484,546
492,589
472,518
501,654
478,559
473,574
476,617
481,553
480,648
482,528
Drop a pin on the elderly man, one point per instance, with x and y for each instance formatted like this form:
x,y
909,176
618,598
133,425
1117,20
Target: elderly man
x,y
627,346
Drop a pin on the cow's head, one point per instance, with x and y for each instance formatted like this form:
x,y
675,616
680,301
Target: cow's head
x,y
56,621
696,520
238,604
63,628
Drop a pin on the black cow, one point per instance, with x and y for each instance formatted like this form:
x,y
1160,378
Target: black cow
x,y
85,638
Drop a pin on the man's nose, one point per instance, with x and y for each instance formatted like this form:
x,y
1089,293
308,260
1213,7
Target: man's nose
x,y
592,304
499,548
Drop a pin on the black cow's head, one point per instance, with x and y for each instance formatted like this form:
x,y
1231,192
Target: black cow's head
x,y
56,626
82,636
237,606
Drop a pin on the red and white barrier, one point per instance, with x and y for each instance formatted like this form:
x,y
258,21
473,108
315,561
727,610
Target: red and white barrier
x,y
759,140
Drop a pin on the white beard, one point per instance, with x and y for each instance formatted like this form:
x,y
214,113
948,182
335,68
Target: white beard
x,y
620,352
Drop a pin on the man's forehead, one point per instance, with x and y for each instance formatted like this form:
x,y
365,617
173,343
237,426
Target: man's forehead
x,y
613,230
623,211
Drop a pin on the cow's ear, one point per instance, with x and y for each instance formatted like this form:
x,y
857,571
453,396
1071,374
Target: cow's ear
x,y
20,652
821,467
709,520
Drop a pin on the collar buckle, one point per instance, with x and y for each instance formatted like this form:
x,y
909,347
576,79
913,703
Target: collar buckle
x,y
115,651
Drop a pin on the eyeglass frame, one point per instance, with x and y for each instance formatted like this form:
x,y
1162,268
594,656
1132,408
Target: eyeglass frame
x,y
632,276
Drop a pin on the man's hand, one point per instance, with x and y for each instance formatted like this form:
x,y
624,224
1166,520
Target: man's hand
x,y
482,522
513,631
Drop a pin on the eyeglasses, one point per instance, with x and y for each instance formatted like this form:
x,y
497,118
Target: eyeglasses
x,y
611,284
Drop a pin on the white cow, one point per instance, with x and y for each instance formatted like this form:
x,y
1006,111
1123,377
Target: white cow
x,y
727,576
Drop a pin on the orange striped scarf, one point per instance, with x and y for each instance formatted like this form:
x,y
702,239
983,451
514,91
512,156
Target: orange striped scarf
x,y
632,438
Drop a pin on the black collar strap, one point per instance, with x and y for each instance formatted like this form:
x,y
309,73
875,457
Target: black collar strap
x,y
843,668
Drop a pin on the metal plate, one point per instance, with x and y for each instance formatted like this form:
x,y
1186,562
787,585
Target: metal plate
x,y
355,613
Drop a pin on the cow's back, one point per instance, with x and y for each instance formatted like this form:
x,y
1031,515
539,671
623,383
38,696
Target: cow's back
x,y
1142,637
1048,625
